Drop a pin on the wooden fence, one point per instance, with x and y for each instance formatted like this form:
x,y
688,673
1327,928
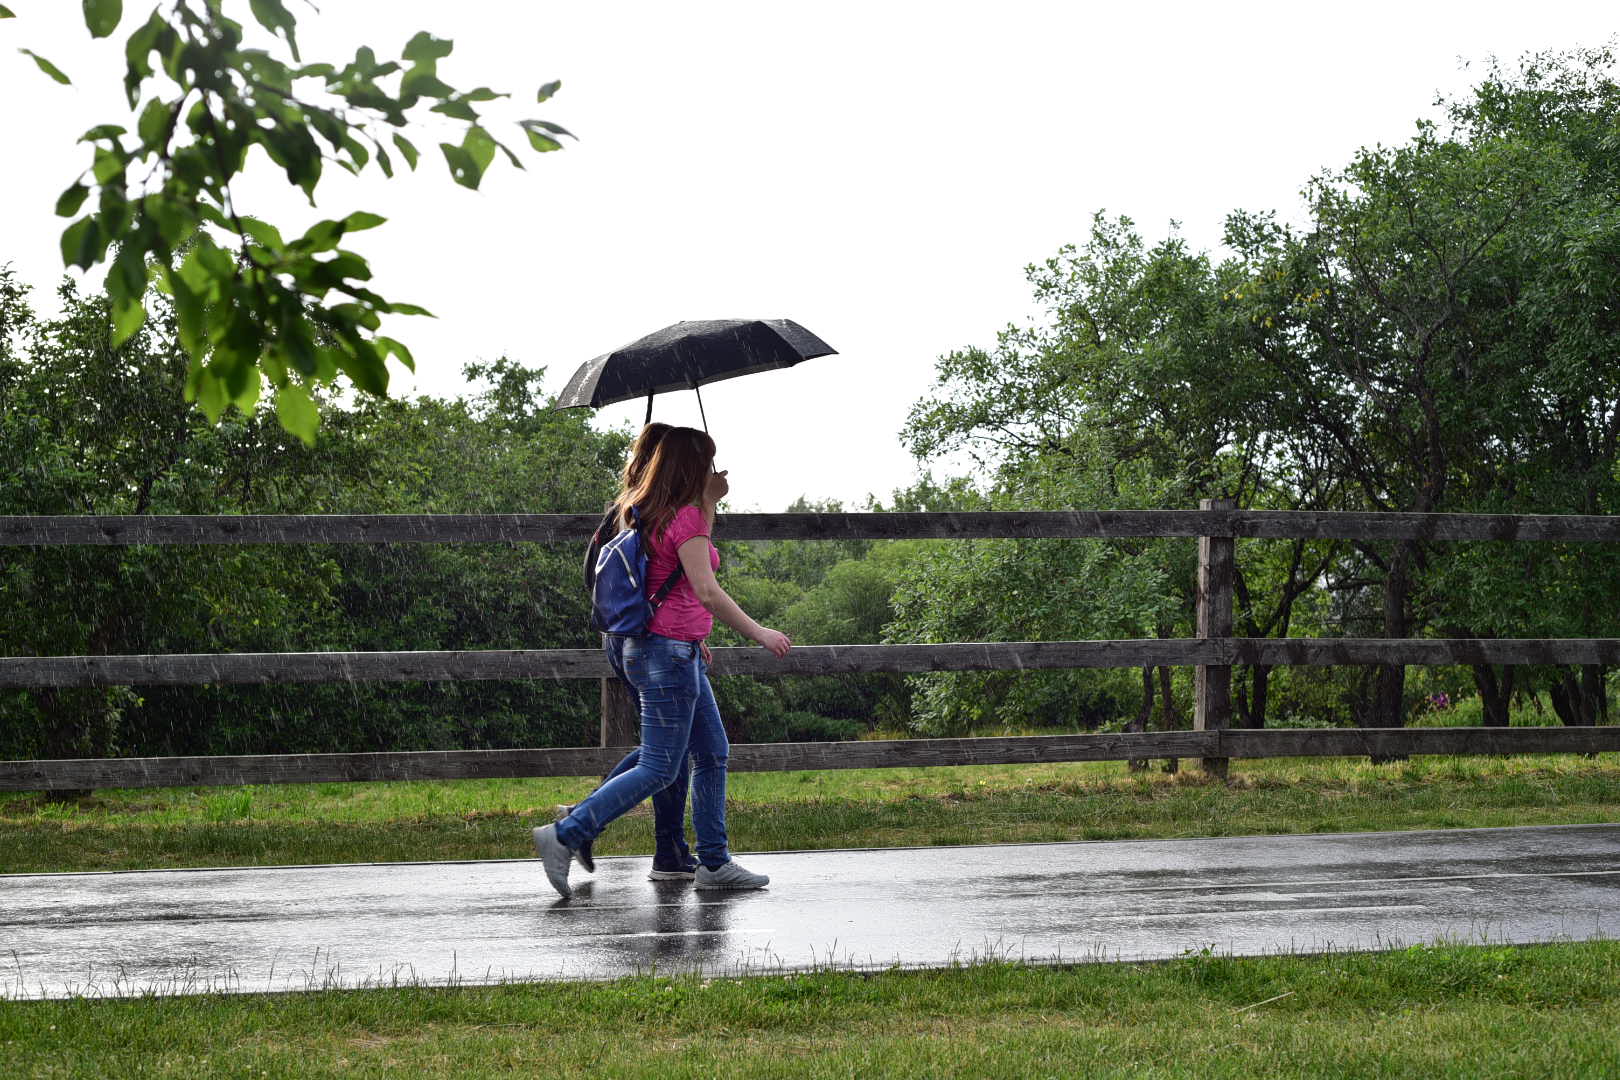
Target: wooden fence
x,y
1213,652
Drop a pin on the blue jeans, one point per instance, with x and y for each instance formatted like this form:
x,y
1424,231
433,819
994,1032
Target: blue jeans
x,y
678,718
669,809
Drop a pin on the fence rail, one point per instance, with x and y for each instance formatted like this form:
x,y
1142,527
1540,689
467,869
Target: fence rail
x,y
73,774
552,528
220,669
1217,525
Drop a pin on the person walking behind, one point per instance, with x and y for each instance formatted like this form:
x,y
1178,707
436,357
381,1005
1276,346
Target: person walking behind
x,y
672,858
669,668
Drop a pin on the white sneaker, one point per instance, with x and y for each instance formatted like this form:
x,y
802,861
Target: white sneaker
x,y
729,875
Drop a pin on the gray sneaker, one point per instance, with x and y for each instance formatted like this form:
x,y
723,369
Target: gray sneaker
x,y
555,856
582,854
729,875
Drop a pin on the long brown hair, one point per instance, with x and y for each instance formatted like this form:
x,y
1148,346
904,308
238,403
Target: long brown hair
x,y
641,452
674,477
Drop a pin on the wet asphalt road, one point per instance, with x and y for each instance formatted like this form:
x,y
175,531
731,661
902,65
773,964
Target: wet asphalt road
x,y
298,928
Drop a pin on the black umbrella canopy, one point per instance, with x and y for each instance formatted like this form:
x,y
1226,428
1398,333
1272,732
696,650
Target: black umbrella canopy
x,y
688,355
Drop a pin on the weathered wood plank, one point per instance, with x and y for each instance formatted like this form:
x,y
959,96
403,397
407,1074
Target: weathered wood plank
x,y
297,529
1329,652
196,669
554,528
767,757
253,668
1384,742
585,761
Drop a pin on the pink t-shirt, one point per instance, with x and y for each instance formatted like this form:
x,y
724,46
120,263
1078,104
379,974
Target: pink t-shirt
x,y
681,616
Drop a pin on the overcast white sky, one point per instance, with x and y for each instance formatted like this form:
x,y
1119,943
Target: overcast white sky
x,y
880,172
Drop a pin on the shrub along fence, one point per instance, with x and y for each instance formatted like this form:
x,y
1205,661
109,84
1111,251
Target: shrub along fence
x,y
1217,526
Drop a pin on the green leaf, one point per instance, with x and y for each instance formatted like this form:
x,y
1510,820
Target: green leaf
x,y
420,82
47,67
547,125
128,314
362,219
480,144
410,309
154,122
138,52
248,395
128,275
274,365
517,162
542,143
456,109
71,199
273,16
407,150
389,345
108,165
326,364
321,236
425,48
297,413
363,364
266,234
173,218
5,12
191,314
102,16
82,243
463,168
547,90
207,389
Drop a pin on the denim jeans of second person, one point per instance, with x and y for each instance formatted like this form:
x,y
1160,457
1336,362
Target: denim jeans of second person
x,y
678,717
669,804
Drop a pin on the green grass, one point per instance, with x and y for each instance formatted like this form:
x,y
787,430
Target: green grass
x,y
1424,1012
477,819
1478,1011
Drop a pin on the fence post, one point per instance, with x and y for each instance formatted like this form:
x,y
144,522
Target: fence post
x,y
1213,707
621,717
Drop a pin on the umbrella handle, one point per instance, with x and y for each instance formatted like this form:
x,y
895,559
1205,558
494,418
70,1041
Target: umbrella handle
x,y
647,421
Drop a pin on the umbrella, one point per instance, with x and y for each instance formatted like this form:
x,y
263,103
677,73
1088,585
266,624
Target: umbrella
x,y
687,355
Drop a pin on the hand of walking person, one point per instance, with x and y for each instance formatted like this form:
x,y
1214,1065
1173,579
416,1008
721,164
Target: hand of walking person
x,y
708,654
775,642
716,487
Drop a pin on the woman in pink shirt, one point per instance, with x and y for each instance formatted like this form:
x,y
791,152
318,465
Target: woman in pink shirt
x,y
675,499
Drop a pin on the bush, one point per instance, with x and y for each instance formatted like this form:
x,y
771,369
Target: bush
x,y
802,727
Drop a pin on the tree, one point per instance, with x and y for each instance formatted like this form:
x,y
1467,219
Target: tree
x,y
1441,335
89,428
1444,336
252,305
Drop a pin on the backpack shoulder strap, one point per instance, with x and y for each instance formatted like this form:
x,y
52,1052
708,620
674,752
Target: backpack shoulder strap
x,y
606,530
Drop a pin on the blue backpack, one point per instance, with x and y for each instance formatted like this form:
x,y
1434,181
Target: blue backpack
x,y
616,576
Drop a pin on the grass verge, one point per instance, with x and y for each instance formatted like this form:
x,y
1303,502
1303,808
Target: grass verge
x,y
1424,1012
428,820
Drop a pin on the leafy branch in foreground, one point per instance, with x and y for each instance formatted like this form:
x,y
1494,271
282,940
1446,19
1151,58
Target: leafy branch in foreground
x,y
251,303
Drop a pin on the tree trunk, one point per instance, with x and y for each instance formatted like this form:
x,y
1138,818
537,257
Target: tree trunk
x,y
1142,714
1594,694
1388,698
1495,694
1261,676
1579,699
1169,721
